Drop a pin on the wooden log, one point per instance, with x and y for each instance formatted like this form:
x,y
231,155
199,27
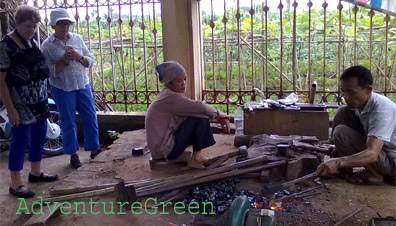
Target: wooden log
x,y
167,181
242,152
217,163
222,169
172,186
348,216
74,190
250,176
166,198
228,155
308,176
80,195
154,189
40,219
125,194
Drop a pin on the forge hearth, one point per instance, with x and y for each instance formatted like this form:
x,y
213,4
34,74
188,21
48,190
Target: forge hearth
x,y
300,161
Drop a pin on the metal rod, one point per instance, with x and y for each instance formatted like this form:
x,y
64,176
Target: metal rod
x,y
371,15
281,51
324,5
339,49
348,216
294,60
306,177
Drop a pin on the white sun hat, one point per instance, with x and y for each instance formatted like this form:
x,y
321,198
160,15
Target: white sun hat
x,y
59,14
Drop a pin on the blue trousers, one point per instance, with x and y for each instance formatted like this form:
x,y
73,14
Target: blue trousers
x,y
193,131
22,136
68,103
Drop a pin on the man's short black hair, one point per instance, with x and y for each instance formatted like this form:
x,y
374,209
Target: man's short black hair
x,y
362,74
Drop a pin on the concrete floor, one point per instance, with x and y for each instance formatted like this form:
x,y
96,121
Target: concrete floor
x,y
338,199
58,164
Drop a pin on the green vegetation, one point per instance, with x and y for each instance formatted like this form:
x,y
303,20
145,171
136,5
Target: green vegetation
x,y
121,73
321,54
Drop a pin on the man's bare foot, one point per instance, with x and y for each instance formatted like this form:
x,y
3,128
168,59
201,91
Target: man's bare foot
x,y
185,157
202,159
197,157
196,165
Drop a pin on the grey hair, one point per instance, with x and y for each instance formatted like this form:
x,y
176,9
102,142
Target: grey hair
x,y
26,12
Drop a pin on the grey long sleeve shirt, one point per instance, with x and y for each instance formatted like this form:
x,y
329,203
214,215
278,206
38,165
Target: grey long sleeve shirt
x,y
164,116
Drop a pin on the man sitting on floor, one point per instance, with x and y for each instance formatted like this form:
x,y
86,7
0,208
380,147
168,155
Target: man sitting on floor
x,y
364,131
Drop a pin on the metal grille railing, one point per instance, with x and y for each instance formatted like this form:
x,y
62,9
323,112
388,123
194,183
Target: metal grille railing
x,y
124,37
278,48
285,48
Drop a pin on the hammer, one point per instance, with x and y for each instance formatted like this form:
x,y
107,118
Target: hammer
x,y
296,144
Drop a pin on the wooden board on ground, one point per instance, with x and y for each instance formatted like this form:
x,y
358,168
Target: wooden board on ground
x,y
139,168
40,219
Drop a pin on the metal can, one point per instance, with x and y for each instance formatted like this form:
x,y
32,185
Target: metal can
x,y
137,151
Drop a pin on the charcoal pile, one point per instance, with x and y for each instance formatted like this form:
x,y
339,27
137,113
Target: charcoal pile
x,y
221,194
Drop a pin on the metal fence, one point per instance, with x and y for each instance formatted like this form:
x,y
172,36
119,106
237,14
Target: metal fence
x,y
282,48
124,38
278,47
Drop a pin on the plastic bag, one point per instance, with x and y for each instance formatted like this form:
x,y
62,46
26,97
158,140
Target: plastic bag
x,y
289,100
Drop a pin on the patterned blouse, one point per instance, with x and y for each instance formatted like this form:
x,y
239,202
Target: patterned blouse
x,y
26,78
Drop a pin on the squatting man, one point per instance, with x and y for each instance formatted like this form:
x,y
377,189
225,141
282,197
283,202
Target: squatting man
x,y
364,132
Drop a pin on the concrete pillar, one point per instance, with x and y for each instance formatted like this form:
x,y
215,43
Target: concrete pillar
x,y
182,41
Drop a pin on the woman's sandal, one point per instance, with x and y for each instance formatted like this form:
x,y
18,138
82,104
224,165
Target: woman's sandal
x,y
42,177
21,194
92,155
360,178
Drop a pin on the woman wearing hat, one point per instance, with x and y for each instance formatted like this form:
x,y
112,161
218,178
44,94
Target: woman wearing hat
x,y
174,122
67,58
23,85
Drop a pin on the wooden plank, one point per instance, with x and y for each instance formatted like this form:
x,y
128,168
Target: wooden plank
x,y
171,180
218,162
125,194
40,219
168,187
73,190
218,170
215,159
